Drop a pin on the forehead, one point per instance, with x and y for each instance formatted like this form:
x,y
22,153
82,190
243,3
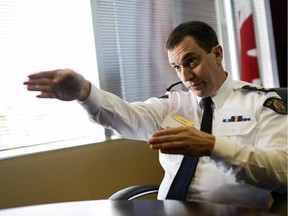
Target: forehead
x,y
187,46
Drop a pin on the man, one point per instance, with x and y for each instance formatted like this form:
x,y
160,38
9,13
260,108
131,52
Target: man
x,y
244,158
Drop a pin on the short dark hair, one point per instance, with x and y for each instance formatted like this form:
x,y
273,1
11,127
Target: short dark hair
x,y
203,33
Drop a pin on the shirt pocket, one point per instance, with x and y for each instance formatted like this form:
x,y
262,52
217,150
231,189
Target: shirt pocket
x,y
234,126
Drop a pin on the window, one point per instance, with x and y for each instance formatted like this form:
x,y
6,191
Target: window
x,y
128,37
38,35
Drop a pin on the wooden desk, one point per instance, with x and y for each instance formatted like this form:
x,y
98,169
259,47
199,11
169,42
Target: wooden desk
x,y
131,208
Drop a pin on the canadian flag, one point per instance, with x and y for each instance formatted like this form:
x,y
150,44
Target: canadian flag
x,y
249,62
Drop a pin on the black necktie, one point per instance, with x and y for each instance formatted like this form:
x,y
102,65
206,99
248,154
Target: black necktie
x,y
179,187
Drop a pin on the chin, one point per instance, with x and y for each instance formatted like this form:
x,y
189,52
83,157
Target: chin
x,y
198,93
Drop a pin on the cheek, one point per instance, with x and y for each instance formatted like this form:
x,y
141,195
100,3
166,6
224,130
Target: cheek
x,y
209,73
180,77
203,72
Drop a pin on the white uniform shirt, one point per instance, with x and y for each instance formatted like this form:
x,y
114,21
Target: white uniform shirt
x,y
250,154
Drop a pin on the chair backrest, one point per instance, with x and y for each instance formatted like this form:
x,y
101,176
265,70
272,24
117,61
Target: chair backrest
x,y
282,92
280,200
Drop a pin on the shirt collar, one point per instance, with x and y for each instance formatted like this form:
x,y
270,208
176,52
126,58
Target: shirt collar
x,y
222,93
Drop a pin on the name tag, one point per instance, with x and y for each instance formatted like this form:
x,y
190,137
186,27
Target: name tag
x,y
182,120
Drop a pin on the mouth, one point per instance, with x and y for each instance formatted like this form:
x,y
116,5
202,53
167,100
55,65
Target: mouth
x,y
197,86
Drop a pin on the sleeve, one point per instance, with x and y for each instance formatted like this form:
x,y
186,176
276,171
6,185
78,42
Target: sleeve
x,y
263,164
138,120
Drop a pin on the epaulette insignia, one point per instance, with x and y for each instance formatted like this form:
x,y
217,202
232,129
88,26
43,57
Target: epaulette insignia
x,y
276,104
257,88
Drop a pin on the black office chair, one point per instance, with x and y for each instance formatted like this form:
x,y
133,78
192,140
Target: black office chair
x,y
282,92
134,192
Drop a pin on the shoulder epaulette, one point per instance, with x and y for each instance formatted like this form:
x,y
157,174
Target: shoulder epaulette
x,y
257,88
276,104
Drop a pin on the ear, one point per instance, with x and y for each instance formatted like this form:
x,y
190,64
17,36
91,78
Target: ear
x,y
218,53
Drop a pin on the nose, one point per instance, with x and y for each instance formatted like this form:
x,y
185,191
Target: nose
x,y
186,74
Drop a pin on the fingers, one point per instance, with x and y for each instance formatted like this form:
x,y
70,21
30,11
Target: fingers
x,y
162,140
38,81
41,81
64,84
167,139
187,141
46,95
45,90
168,146
179,140
42,84
168,135
168,131
44,74
41,78
39,87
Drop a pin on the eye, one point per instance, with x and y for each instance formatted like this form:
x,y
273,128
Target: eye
x,y
177,68
192,62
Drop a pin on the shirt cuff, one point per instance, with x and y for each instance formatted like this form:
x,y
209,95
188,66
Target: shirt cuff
x,y
92,102
224,150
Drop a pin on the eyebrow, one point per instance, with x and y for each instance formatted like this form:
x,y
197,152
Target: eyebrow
x,y
185,57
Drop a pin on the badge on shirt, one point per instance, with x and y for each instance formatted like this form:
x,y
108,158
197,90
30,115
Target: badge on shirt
x,y
182,120
175,120
277,105
236,119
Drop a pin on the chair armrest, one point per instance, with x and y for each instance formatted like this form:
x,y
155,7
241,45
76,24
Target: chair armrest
x,y
134,192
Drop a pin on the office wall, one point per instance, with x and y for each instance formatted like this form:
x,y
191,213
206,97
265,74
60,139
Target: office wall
x,y
80,173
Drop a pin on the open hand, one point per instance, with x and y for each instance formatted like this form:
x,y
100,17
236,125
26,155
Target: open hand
x,y
184,140
63,84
